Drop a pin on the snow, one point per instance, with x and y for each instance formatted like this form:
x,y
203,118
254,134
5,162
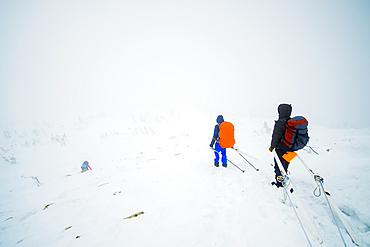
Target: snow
x,y
134,87
162,165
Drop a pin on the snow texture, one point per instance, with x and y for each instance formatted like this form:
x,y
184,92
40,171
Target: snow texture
x,y
135,86
162,166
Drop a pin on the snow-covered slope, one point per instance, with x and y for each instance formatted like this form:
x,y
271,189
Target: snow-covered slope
x,y
162,165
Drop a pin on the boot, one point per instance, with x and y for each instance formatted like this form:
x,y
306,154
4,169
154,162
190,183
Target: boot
x,y
216,164
277,184
224,165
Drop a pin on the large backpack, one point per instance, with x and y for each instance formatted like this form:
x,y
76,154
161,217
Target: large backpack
x,y
226,135
296,133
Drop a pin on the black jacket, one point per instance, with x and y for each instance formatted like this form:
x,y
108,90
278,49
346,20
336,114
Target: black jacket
x,y
284,111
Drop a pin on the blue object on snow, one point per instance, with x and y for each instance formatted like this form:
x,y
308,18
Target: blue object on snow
x,y
85,164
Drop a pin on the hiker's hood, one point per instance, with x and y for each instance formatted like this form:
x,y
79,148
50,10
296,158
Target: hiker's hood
x,y
284,111
220,119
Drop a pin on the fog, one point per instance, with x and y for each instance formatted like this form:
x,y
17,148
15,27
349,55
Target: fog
x,y
64,59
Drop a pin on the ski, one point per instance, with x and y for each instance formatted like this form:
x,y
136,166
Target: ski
x,y
289,190
134,215
332,206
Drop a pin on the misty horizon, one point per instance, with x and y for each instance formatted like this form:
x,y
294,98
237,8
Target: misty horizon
x,y
71,58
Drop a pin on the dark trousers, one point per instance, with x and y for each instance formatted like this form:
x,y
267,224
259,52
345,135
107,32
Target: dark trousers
x,y
280,153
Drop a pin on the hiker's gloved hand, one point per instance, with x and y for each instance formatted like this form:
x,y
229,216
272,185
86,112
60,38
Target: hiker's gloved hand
x,y
271,149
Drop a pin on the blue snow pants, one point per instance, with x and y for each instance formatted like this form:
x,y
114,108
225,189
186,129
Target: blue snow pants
x,y
218,148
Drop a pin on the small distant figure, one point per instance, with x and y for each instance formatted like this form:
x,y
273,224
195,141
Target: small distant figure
x,y
85,167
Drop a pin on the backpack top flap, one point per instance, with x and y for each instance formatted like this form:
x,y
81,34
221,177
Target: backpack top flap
x,y
226,135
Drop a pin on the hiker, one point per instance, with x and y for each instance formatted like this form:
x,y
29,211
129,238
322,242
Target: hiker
x,y
223,136
85,166
218,148
284,111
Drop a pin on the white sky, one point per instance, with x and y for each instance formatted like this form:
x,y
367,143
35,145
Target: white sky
x,y
65,58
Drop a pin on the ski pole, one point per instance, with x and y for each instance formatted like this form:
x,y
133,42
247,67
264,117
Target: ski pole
x,y
245,159
308,144
230,161
239,151
235,165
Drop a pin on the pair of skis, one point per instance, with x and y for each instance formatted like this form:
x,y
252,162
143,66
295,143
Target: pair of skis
x,y
332,206
289,190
